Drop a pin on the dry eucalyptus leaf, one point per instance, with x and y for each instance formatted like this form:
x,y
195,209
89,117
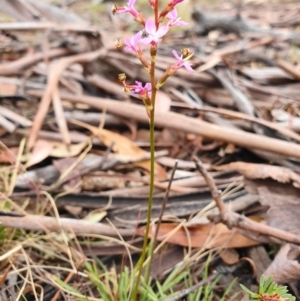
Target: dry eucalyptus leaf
x,y
95,216
41,150
123,145
262,171
285,268
61,150
283,201
198,236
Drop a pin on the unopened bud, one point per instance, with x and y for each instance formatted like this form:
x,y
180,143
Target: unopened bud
x,y
114,9
185,51
118,44
122,77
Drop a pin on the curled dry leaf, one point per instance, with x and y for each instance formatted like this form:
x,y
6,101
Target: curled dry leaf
x,y
285,268
262,171
201,236
41,150
283,201
123,145
61,150
95,216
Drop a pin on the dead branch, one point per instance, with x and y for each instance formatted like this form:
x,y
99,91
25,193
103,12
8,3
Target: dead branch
x,y
186,124
45,223
211,184
233,219
19,65
46,25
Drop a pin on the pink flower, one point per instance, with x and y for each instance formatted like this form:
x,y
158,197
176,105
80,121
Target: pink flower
x,y
128,9
153,36
131,43
181,62
139,89
174,21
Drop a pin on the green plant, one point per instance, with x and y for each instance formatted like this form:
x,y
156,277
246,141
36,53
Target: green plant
x,y
269,291
113,286
151,36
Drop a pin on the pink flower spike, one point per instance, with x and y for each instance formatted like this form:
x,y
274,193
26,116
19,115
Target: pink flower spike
x,y
154,36
128,9
131,43
181,62
174,21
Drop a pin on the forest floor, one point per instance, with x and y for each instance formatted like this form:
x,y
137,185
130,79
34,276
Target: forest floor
x,y
74,153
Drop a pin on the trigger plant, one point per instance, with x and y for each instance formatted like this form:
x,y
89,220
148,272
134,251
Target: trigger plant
x,y
147,39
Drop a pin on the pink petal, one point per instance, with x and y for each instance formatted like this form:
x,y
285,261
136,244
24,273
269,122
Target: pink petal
x,y
162,31
150,27
178,58
137,37
129,49
188,67
131,3
148,87
172,14
180,23
146,41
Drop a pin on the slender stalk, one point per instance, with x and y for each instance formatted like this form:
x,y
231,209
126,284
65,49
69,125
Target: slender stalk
x,y
153,240
151,185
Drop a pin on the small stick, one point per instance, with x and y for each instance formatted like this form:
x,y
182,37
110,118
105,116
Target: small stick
x,y
212,186
162,209
233,219
164,203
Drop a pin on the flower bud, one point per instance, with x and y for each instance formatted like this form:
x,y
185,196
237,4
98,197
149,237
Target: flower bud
x,y
114,9
122,77
187,53
118,44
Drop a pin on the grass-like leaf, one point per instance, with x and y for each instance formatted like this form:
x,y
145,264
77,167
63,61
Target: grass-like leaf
x,y
250,293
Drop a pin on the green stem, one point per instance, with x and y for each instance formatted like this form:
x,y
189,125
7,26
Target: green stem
x,y
151,187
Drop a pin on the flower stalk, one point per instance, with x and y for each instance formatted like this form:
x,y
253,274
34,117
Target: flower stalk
x,y
151,35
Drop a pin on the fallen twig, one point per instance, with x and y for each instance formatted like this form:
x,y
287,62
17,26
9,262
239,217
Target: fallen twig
x,y
187,124
19,65
233,219
46,25
47,223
